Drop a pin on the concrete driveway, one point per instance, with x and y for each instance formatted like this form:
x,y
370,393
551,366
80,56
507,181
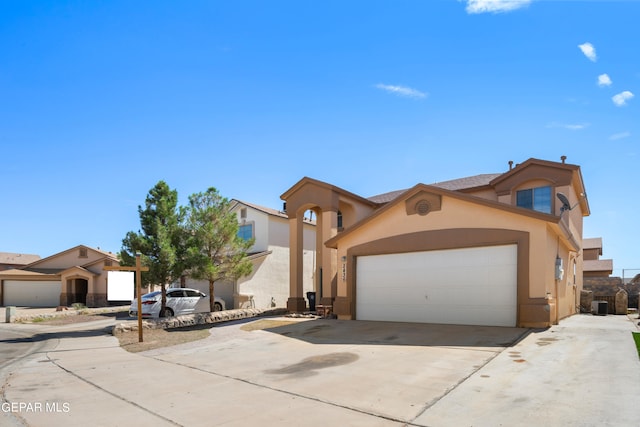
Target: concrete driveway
x,y
326,372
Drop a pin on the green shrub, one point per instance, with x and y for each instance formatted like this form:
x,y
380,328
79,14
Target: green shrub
x,y
636,338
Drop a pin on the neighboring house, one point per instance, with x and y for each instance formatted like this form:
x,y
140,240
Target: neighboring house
x,y
495,249
593,265
268,284
72,276
10,260
598,279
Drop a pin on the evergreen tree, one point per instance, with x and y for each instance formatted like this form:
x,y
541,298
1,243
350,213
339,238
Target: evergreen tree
x,y
159,240
215,251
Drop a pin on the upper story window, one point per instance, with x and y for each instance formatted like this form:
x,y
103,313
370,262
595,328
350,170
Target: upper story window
x,y
339,220
245,231
538,199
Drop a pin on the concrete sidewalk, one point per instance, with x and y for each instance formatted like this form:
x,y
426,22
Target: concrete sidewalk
x,y
582,372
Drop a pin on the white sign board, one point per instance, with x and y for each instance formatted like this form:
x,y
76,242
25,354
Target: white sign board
x,y
120,285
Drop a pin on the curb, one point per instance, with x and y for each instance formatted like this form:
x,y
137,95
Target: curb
x,y
29,318
197,319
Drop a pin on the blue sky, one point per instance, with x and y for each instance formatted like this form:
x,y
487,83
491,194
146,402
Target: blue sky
x,y
99,100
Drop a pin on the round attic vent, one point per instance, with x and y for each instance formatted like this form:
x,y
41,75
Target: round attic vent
x,y
423,207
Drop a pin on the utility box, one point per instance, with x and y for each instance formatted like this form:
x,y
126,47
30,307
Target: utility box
x,y
10,314
599,308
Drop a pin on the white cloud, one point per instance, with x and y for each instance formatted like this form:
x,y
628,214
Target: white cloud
x,y
589,51
620,135
604,80
576,126
578,101
495,6
622,98
401,91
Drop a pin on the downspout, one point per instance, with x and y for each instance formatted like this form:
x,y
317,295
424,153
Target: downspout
x,y
557,320
557,278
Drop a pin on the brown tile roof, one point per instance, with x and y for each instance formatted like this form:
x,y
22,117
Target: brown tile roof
x,y
110,255
266,210
453,185
592,243
386,197
17,259
597,265
468,182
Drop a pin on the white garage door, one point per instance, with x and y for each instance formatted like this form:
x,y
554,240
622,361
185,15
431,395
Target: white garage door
x,y
31,293
472,286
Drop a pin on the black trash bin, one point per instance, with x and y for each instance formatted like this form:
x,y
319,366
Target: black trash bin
x,y
311,296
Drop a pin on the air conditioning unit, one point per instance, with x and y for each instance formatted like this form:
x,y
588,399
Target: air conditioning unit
x,y
600,308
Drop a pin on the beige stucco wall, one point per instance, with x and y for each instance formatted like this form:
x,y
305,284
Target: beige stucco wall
x,y
591,254
488,194
269,282
70,258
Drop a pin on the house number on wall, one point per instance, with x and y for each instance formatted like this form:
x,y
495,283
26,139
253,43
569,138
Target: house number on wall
x,y
344,271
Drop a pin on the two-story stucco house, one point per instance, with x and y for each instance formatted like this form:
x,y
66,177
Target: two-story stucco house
x,y
502,249
268,284
72,276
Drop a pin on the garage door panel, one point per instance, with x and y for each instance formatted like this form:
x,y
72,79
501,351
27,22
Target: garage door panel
x,y
32,293
460,286
465,314
380,295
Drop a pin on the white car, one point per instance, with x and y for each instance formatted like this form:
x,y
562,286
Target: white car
x,y
179,301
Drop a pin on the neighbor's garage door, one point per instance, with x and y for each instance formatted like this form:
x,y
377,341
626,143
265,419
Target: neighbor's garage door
x,y
472,286
31,293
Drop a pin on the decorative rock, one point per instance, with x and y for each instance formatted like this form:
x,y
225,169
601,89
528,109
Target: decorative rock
x,y
196,319
586,298
622,301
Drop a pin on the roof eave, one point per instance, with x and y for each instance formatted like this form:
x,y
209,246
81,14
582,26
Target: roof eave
x,y
333,242
306,180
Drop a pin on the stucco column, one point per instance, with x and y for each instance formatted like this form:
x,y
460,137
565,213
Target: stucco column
x,y
317,274
65,291
329,257
97,292
296,301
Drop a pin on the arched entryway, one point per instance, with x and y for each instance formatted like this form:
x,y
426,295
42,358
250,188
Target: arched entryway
x,y
335,209
75,291
321,269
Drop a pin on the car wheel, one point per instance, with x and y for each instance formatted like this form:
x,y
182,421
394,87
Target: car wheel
x,y
217,306
167,312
